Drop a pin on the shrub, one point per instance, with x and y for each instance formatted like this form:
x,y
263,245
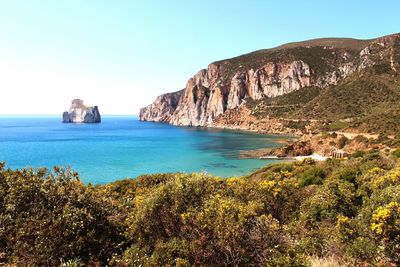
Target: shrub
x,y
361,139
333,198
385,224
358,154
396,153
47,217
349,174
279,215
314,175
342,141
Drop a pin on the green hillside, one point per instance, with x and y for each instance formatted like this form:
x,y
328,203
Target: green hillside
x,y
321,54
367,100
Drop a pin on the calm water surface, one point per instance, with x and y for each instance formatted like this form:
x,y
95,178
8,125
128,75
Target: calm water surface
x,y
123,147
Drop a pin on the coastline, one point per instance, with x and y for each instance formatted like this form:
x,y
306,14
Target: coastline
x,y
259,153
314,156
297,145
123,147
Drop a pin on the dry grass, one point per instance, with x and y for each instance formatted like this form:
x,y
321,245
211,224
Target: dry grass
x,y
325,262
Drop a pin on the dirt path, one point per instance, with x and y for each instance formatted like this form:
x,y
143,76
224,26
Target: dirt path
x,y
353,135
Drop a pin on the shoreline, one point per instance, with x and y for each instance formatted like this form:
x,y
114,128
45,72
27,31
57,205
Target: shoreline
x,y
314,156
288,134
260,153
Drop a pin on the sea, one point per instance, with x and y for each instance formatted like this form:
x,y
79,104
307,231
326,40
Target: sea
x,y
123,147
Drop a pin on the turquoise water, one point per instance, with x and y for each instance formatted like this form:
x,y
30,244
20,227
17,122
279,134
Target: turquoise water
x,y
123,147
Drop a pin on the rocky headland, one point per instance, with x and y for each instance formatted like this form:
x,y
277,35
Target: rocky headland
x,y
233,92
79,113
303,88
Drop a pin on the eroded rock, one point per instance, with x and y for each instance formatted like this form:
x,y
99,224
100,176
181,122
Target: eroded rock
x,y
79,113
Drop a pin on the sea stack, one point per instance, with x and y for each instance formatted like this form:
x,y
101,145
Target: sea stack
x,y
79,113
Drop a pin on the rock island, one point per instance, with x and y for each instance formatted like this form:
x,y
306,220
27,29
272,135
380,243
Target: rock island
x,y
79,113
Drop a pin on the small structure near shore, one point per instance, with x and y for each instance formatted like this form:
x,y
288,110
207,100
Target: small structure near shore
x,y
338,153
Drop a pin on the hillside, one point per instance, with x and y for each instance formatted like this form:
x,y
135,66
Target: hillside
x,y
367,103
333,81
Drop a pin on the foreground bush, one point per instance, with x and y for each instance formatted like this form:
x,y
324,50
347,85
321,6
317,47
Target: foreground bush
x,y
49,217
288,214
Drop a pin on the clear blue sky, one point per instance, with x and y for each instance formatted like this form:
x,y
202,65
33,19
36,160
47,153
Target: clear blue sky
x,y
121,54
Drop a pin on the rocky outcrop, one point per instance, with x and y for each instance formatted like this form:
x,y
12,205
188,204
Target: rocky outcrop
x,y
162,108
205,96
299,148
79,113
226,85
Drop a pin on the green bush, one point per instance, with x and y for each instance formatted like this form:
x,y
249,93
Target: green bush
x,y
314,175
358,154
342,141
280,215
396,153
49,217
349,174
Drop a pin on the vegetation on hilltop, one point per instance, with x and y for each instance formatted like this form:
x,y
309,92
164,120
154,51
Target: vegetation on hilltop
x,y
282,106
347,43
352,98
321,54
367,102
282,215
321,59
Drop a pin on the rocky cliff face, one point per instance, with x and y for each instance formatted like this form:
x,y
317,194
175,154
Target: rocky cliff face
x,y
206,95
161,109
79,113
227,84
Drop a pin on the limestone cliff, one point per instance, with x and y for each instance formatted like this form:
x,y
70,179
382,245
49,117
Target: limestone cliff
x,y
79,113
228,84
161,109
207,95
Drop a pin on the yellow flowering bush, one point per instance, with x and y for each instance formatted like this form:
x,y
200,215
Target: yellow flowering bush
x,y
390,178
345,227
386,221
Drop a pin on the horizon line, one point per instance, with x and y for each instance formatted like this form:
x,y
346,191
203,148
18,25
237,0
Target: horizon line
x,y
42,114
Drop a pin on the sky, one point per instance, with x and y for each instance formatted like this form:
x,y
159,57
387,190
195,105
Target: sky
x,y
120,55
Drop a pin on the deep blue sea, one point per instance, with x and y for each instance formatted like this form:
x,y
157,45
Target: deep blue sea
x,y
122,147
